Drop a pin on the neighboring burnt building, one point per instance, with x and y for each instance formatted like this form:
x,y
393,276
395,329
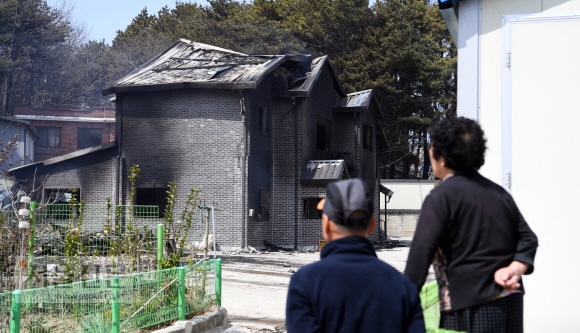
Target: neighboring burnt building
x,y
260,136
62,131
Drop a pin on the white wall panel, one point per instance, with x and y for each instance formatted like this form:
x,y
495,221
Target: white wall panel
x,y
542,85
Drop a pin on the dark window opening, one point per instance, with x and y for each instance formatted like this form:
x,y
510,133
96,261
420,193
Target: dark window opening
x,y
89,137
264,213
263,119
151,197
310,209
48,137
322,134
367,137
58,203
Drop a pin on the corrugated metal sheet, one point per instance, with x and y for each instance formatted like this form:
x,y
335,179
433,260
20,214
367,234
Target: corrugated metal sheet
x,y
356,99
196,63
322,172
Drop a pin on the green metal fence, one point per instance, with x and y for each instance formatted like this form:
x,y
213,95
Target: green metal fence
x,y
5,304
107,247
119,304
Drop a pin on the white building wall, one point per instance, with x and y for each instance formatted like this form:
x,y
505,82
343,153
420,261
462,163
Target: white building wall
x,y
541,140
480,54
408,194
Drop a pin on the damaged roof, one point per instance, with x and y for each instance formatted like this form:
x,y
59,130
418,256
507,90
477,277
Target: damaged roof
x,y
68,156
310,78
188,64
359,101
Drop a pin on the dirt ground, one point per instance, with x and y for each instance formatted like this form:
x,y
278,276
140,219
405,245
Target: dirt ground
x,y
254,285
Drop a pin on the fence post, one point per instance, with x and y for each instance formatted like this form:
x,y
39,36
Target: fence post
x,y
31,243
15,311
218,281
182,304
116,307
159,245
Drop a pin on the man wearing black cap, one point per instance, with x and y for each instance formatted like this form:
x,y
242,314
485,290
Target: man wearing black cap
x,y
350,290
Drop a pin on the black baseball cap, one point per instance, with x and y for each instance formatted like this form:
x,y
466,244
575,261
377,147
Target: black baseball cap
x,y
345,197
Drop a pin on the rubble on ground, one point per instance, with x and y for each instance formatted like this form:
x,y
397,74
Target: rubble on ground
x,y
390,244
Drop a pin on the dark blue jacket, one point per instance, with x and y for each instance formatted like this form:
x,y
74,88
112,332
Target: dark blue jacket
x,y
350,290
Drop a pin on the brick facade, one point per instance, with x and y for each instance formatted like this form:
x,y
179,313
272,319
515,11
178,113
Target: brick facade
x,y
69,129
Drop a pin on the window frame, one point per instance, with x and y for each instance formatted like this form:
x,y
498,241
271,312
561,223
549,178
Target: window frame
x,y
146,193
90,136
367,137
264,204
326,124
309,206
44,137
263,117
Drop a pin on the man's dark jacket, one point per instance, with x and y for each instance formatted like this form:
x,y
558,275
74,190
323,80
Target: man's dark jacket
x,y
350,290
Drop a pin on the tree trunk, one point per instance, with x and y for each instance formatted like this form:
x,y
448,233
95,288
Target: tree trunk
x,y
426,160
6,100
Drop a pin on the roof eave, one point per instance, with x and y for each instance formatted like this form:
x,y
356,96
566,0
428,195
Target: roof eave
x,y
180,85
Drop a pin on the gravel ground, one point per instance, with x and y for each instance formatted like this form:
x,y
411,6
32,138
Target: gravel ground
x,y
255,283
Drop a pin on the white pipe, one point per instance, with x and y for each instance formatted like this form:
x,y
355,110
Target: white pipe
x,y
213,229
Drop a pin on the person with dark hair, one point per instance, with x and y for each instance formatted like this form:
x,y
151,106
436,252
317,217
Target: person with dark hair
x,y
474,234
350,290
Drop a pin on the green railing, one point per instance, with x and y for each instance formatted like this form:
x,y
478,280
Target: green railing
x,y
430,303
119,304
105,249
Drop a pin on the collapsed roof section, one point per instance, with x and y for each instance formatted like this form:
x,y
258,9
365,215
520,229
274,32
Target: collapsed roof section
x,y
189,64
301,73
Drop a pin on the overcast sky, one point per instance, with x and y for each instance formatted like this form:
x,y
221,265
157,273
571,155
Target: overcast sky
x,y
104,17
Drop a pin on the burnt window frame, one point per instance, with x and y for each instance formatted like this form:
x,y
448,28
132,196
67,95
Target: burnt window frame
x,y
309,208
44,137
367,137
89,129
151,196
263,120
323,138
58,205
264,204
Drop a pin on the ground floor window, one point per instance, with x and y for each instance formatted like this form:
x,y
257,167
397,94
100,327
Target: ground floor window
x,y
310,210
264,212
59,203
151,196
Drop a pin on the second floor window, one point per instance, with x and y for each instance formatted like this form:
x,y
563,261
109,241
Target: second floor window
x,y
367,137
323,134
89,137
48,137
263,119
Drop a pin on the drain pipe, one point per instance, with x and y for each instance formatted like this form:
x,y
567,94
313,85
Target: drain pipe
x,y
119,139
296,175
243,114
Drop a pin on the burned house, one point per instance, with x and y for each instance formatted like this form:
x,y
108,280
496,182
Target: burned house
x,y
259,135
